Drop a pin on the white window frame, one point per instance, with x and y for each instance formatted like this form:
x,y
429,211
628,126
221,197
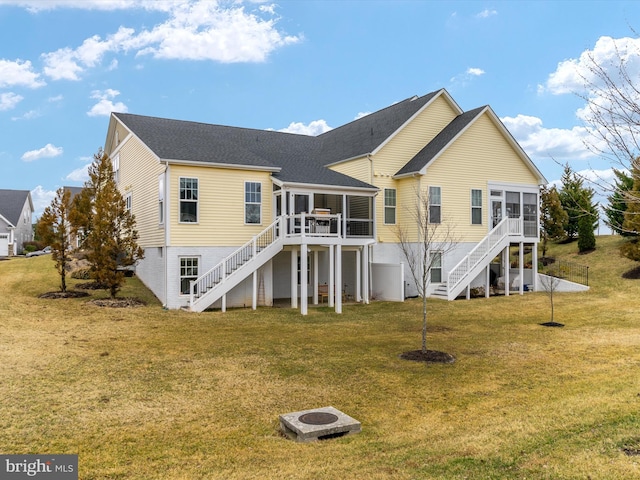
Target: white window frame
x,y
128,202
390,208
115,165
161,199
433,263
435,205
476,207
181,200
247,202
192,276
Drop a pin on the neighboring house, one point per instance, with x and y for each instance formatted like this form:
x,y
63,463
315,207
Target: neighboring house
x,y
232,216
74,239
16,209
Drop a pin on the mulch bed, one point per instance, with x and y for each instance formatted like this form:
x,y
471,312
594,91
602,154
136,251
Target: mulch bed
x,y
126,302
633,274
552,324
91,286
67,294
430,356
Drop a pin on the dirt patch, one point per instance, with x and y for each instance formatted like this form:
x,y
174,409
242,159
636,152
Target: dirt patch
x,y
118,302
430,356
67,294
633,274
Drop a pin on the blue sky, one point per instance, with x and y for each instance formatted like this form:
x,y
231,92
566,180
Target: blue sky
x,y
302,66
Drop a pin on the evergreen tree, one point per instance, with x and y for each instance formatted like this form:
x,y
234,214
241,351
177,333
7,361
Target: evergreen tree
x,y
110,236
552,216
618,202
577,201
631,248
586,237
54,229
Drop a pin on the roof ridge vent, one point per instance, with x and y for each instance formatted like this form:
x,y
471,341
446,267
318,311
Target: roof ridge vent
x,y
415,97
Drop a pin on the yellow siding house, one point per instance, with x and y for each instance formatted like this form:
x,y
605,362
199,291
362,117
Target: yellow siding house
x,y
231,216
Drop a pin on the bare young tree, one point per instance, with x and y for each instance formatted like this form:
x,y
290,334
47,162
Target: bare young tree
x,y
550,282
424,246
54,229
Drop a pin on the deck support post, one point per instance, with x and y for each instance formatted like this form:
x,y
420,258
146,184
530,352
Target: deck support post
x,y
304,286
338,287
294,278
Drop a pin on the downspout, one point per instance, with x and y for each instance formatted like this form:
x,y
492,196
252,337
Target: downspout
x,y
167,236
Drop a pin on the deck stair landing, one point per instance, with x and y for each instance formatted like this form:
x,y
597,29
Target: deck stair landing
x,y
461,276
212,285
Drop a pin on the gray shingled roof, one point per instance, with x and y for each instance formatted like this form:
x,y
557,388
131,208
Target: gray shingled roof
x,y
440,141
293,158
364,135
11,204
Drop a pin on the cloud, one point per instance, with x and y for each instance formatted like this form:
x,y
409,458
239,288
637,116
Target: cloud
x,y
36,6
9,100
19,73
314,128
200,30
540,142
105,106
486,13
48,151
41,199
463,79
79,174
475,72
574,75
31,114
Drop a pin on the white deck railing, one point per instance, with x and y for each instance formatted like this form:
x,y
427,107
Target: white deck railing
x,y
233,262
507,227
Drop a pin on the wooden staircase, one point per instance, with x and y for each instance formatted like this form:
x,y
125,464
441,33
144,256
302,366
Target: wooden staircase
x,y
212,285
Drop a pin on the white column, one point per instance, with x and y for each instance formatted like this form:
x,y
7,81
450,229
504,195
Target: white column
x,y
534,266
304,268
331,287
365,274
315,277
254,297
521,266
294,277
507,266
223,302
487,282
358,274
338,289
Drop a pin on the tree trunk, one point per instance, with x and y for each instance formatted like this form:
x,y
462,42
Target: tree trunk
x,y
424,322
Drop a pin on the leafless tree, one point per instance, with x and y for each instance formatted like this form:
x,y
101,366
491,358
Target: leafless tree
x,y
550,282
424,245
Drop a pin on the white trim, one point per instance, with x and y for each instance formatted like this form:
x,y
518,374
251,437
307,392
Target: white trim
x,y
245,203
231,166
471,206
429,187
395,207
197,201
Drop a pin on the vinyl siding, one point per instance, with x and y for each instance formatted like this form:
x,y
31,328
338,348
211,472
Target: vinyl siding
x,y
398,152
480,155
139,170
412,138
359,168
220,206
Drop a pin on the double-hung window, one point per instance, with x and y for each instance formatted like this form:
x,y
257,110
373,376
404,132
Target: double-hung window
x,y
252,202
436,267
476,207
188,200
188,272
389,206
435,205
127,202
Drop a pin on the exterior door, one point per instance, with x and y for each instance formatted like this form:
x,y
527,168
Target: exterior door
x,y
496,212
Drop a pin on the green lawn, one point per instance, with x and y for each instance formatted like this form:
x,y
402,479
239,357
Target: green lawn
x,y
148,393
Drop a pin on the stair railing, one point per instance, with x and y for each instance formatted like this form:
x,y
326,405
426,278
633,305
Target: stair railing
x,y
506,227
235,260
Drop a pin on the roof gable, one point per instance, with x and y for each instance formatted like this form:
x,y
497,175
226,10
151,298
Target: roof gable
x,y
12,203
442,141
